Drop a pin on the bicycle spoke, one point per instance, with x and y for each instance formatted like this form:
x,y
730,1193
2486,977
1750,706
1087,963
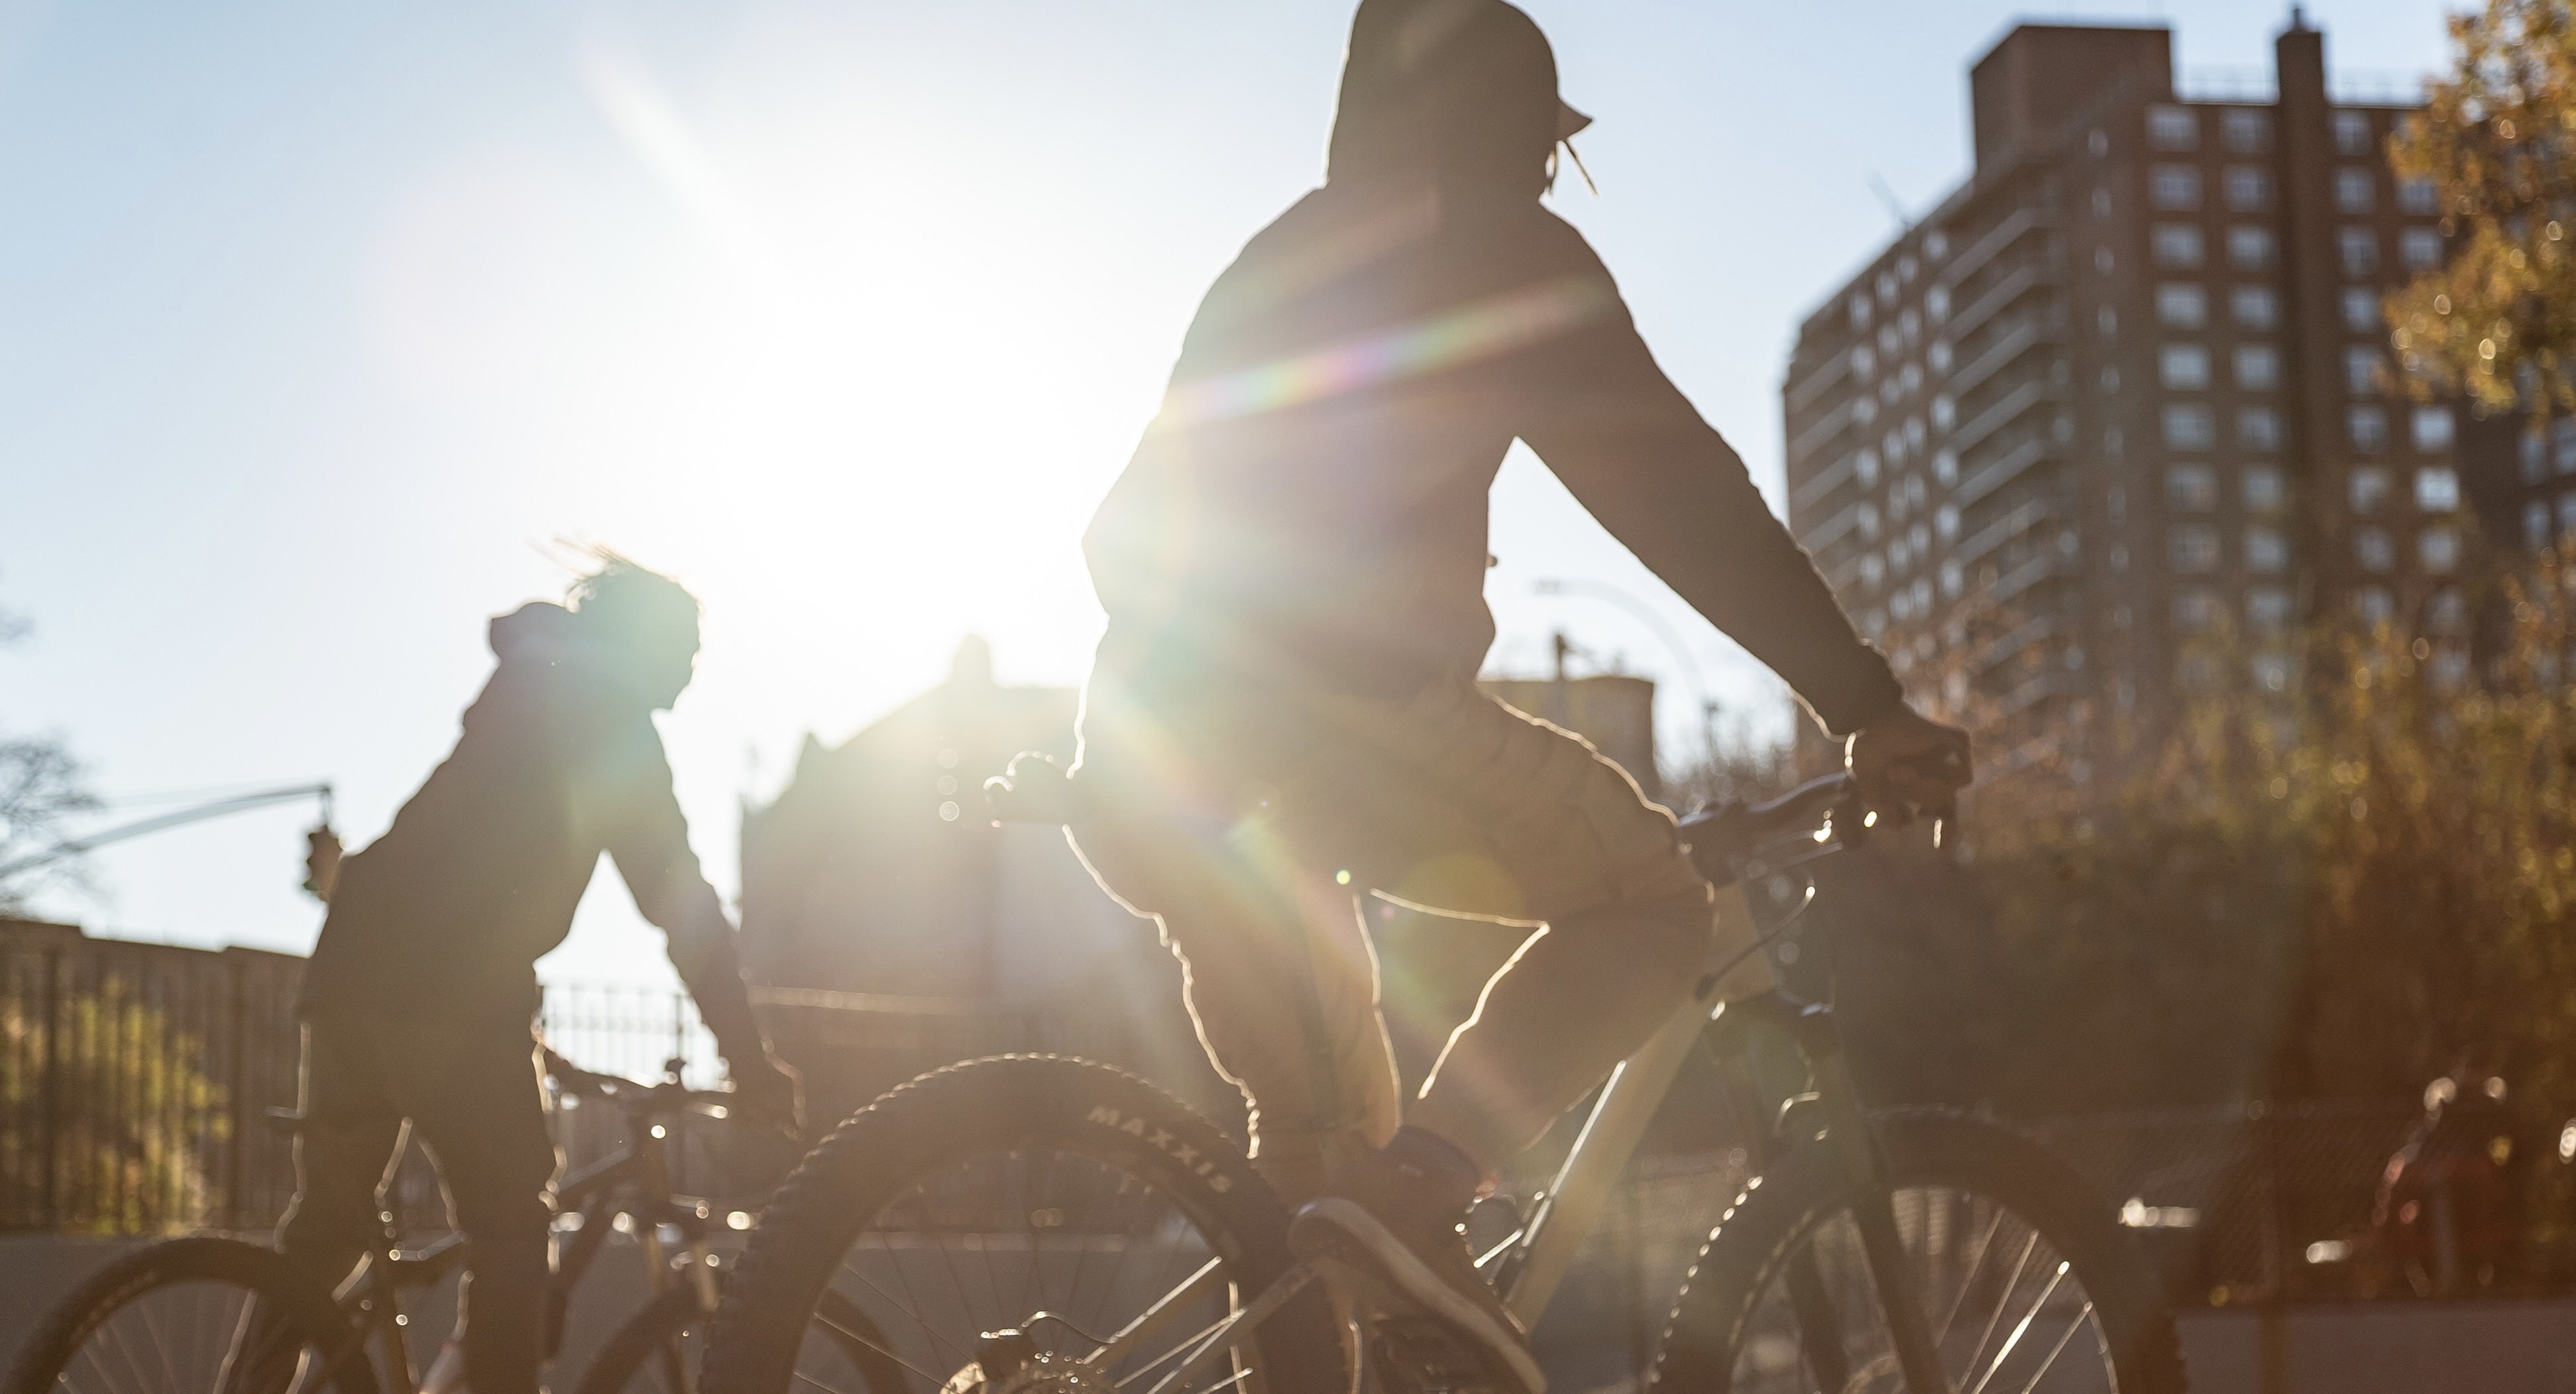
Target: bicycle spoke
x,y
1968,1280
2011,1285
2054,1351
839,1329
2022,1328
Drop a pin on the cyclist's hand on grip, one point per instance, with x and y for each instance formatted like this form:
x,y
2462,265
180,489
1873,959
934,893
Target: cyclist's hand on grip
x,y
768,1089
1907,765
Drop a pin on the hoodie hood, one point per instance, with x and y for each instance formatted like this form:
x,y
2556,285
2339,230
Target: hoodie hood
x,y
1457,91
545,635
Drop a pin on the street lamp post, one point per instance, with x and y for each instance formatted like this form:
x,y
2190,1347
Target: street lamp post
x,y
1645,614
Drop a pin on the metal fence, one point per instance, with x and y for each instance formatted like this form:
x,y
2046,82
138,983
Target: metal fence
x,y
136,1080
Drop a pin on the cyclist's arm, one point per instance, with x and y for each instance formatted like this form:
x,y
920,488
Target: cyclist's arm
x,y
649,840
1635,452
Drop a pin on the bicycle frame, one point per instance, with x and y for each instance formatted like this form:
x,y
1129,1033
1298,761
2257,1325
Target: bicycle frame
x,y
634,1182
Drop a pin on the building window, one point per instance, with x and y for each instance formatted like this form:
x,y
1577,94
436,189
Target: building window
x,y
2265,551
1936,303
2437,489
2352,190
2419,197
2369,489
1886,287
2361,371
2438,549
1945,412
2192,549
2374,604
2193,610
2258,367
2372,549
2369,428
1873,571
2562,443
2361,311
2272,671
1915,436
2173,128
2249,248
2351,133
1865,465
1864,361
2189,427
2245,131
2174,188
2264,489
2249,188
2535,458
2535,526
2435,429
2359,247
2176,244
1938,355
1945,466
1912,377
2258,428
1910,323
2182,305
2419,249
1945,521
2447,612
2267,607
2191,488
2184,367
2255,307
1860,312
2567,512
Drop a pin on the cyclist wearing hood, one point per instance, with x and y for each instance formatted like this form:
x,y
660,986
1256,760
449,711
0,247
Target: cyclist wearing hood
x,y
419,999
1283,714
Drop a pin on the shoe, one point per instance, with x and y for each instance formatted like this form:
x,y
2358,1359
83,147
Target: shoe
x,y
1394,1234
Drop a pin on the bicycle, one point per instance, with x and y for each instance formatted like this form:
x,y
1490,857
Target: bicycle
x,y
209,1314
1044,1225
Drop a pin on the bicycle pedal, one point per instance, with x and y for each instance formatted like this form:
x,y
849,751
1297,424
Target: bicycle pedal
x,y
1421,1355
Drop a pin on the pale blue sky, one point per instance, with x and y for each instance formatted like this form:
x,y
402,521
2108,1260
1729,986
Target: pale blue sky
x,y
318,320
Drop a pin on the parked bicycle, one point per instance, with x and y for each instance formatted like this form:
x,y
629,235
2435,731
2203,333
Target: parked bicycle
x,y
1043,1225
215,1315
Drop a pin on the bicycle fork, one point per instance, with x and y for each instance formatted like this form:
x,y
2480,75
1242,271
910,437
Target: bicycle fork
x,y
1848,1132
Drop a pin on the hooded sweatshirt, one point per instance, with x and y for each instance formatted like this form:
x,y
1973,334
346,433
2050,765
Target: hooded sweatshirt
x,y
444,917
1309,506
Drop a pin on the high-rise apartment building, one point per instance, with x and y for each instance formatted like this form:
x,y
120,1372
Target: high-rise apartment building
x,y
2130,385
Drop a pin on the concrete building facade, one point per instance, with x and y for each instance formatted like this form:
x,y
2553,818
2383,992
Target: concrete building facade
x,y
2128,388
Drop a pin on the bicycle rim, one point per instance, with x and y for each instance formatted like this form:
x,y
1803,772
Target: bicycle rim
x,y
195,1336
2008,1312
1065,1248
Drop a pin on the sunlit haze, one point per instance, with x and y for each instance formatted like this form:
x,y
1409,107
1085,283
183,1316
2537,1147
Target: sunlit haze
x,y
322,325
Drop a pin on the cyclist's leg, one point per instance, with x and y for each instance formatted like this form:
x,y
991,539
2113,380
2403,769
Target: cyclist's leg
x,y
1574,843
345,1146
1248,936
1177,835
473,1091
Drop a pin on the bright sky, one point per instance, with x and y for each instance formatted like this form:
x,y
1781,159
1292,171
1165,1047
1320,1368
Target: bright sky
x,y
318,320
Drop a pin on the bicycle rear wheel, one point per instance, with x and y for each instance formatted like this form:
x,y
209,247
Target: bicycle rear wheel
x,y
659,1351
193,1316
1057,1199
2028,1287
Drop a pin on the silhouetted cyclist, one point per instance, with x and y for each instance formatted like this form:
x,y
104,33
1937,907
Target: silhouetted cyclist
x,y
421,994
1283,711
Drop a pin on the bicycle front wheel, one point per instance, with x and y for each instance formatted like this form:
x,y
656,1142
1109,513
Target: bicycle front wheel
x,y
1055,1214
194,1316
2027,1285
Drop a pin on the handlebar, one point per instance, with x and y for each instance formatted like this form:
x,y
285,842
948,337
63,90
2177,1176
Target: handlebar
x,y
634,1096
1720,837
